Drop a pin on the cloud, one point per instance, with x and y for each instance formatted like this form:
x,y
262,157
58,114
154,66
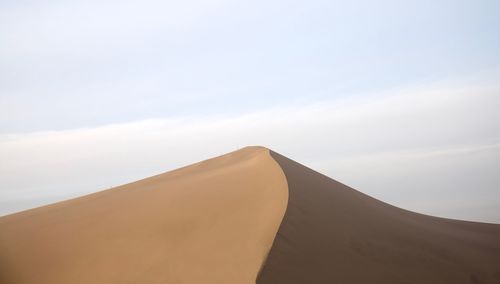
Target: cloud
x,y
434,151
100,62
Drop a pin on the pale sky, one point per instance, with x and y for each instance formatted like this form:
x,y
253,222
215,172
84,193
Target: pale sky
x,y
398,99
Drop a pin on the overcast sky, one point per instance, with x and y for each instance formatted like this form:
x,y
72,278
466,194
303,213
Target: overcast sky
x,y
398,99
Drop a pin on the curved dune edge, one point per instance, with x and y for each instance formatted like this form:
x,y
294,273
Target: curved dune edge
x,y
212,222
334,234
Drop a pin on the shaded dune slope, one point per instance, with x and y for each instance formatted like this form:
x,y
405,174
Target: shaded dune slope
x,y
333,234
212,222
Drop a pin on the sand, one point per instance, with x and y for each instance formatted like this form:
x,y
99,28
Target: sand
x,y
251,216
212,222
334,234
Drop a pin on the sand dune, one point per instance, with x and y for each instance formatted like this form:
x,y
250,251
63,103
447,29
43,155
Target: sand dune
x,y
212,222
251,216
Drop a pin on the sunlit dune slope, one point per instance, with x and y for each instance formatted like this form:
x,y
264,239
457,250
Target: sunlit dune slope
x,y
212,222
